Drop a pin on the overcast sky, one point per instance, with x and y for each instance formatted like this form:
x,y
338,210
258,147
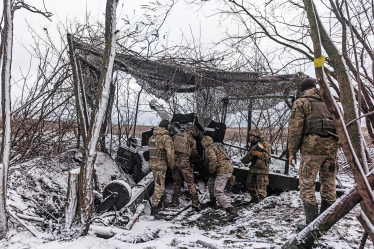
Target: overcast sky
x,y
183,17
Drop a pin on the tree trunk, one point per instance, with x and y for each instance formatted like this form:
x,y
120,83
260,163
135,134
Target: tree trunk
x,y
6,105
324,221
347,96
108,117
85,185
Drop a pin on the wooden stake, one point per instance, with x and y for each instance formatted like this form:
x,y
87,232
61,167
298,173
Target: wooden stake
x,y
71,200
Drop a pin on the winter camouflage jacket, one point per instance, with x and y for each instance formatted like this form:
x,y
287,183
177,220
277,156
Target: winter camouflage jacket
x,y
164,144
310,144
216,156
260,163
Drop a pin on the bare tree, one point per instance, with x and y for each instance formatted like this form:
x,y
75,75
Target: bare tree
x,y
6,53
7,37
85,184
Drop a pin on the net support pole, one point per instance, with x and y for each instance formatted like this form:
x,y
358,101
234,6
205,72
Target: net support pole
x,y
249,125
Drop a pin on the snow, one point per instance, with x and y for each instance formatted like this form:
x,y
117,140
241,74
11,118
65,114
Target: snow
x,y
108,171
265,225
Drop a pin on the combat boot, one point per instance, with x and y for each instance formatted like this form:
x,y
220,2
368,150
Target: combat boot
x,y
324,205
232,210
254,200
175,202
161,204
154,211
261,198
311,212
196,205
212,203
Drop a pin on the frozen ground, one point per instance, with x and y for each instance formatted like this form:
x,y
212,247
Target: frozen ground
x,y
265,225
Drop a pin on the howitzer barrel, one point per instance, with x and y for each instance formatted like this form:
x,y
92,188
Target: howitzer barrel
x,y
163,114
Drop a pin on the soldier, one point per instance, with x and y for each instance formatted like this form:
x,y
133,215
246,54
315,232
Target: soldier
x,y
185,147
221,170
161,155
312,131
258,175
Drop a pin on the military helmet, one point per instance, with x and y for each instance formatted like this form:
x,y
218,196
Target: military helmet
x,y
206,141
306,84
192,130
164,123
256,133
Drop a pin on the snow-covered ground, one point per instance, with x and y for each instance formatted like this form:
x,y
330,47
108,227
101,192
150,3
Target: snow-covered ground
x,y
265,225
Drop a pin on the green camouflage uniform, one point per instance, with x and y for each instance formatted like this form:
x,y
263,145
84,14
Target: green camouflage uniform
x,y
159,159
258,173
318,153
220,169
185,147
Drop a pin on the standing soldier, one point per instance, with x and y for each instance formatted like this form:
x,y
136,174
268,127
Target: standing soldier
x,y
161,155
312,130
221,170
258,175
185,147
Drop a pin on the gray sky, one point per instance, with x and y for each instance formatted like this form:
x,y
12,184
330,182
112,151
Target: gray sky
x,y
201,24
182,17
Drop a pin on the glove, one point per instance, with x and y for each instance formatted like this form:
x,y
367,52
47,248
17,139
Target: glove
x,y
232,180
255,153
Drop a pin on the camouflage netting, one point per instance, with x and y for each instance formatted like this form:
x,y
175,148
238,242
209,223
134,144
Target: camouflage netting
x,y
164,78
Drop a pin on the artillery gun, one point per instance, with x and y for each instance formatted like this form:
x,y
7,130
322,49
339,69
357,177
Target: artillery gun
x,y
134,161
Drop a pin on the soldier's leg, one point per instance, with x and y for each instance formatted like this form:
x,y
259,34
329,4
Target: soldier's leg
x,y
309,167
328,172
178,181
219,188
211,181
251,187
159,177
190,180
262,181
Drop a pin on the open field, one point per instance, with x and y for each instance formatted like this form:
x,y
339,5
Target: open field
x,y
238,133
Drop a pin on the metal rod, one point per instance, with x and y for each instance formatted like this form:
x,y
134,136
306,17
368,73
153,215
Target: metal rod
x,y
240,148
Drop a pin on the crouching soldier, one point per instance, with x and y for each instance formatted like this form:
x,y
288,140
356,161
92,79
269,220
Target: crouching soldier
x,y
221,170
185,147
161,155
258,175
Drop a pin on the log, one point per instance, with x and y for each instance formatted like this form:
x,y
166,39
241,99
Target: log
x,y
327,219
31,229
206,244
41,208
135,217
71,200
363,240
369,228
105,232
30,218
